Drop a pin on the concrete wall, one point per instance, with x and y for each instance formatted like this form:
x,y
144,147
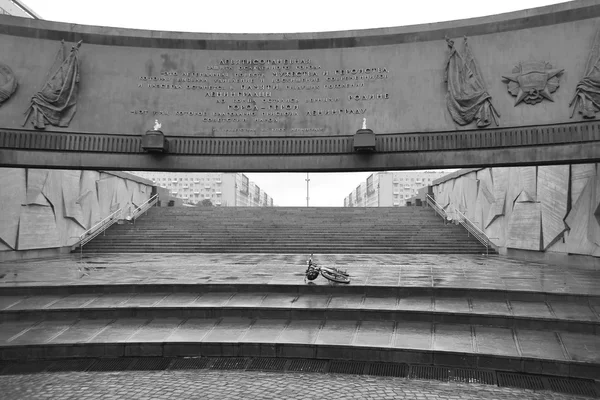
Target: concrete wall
x,y
165,198
394,77
49,209
291,102
385,189
421,197
545,209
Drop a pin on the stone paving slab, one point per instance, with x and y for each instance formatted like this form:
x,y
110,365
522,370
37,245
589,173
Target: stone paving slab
x,y
369,270
209,384
453,338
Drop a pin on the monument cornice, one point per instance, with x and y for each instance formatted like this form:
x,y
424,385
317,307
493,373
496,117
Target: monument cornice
x,y
98,35
496,138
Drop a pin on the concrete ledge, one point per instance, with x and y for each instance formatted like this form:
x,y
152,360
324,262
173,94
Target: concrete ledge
x,y
16,255
541,16
562,143
570,369
292,288
316,313
562,259
407,160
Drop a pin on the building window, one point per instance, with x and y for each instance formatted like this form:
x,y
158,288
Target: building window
x,y
370,188
245,184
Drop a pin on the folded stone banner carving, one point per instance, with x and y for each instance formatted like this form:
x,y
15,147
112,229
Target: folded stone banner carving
x,y
467,98
587,93
56,103
8,82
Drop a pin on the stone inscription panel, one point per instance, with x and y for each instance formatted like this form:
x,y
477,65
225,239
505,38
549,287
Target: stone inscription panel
x,y
314,92
267,95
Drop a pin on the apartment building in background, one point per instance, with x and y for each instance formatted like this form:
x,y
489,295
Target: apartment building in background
x,y
17,8
391,189
222,189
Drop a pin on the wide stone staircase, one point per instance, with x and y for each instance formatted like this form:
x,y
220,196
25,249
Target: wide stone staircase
x,y
414,230
397,318
464,318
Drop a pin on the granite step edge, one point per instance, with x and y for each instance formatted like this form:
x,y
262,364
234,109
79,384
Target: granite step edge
x,y
60,288
528,365
529,322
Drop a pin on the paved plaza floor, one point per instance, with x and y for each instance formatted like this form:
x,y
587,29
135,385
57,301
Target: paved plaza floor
x,y
248,385
393,270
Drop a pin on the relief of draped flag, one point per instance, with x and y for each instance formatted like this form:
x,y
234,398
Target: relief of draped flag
x,y
8,82
56,103
467,98
587,94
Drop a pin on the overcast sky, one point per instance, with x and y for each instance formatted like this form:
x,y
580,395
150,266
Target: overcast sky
x,y
269,16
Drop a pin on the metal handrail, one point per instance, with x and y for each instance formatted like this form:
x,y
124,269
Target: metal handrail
x,y
471,228
434,204
97,229
107,222
145,206
475,231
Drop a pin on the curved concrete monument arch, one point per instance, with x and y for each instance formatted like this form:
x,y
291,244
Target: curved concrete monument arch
x,y
293,102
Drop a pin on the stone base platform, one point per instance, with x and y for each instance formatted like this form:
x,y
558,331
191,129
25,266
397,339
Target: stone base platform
x,y
482,330
482,313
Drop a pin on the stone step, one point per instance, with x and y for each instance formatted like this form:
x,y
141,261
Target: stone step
x,y
301,210
287,239
281,246
292,230
237,242
299,250
287,229
292,226
524,350
385,220
282,240
305,237
457,311
482,308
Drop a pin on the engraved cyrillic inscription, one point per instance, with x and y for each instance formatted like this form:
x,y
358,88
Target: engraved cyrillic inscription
x,y
280,95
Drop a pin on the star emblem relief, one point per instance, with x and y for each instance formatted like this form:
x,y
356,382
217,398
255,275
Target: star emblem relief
x,y
533,81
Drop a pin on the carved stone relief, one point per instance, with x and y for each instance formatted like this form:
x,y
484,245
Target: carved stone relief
x,y
533,81
12,195
587,94
56,103
500,182
42,208
553,194
467,98
524,227
8,82
553,208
